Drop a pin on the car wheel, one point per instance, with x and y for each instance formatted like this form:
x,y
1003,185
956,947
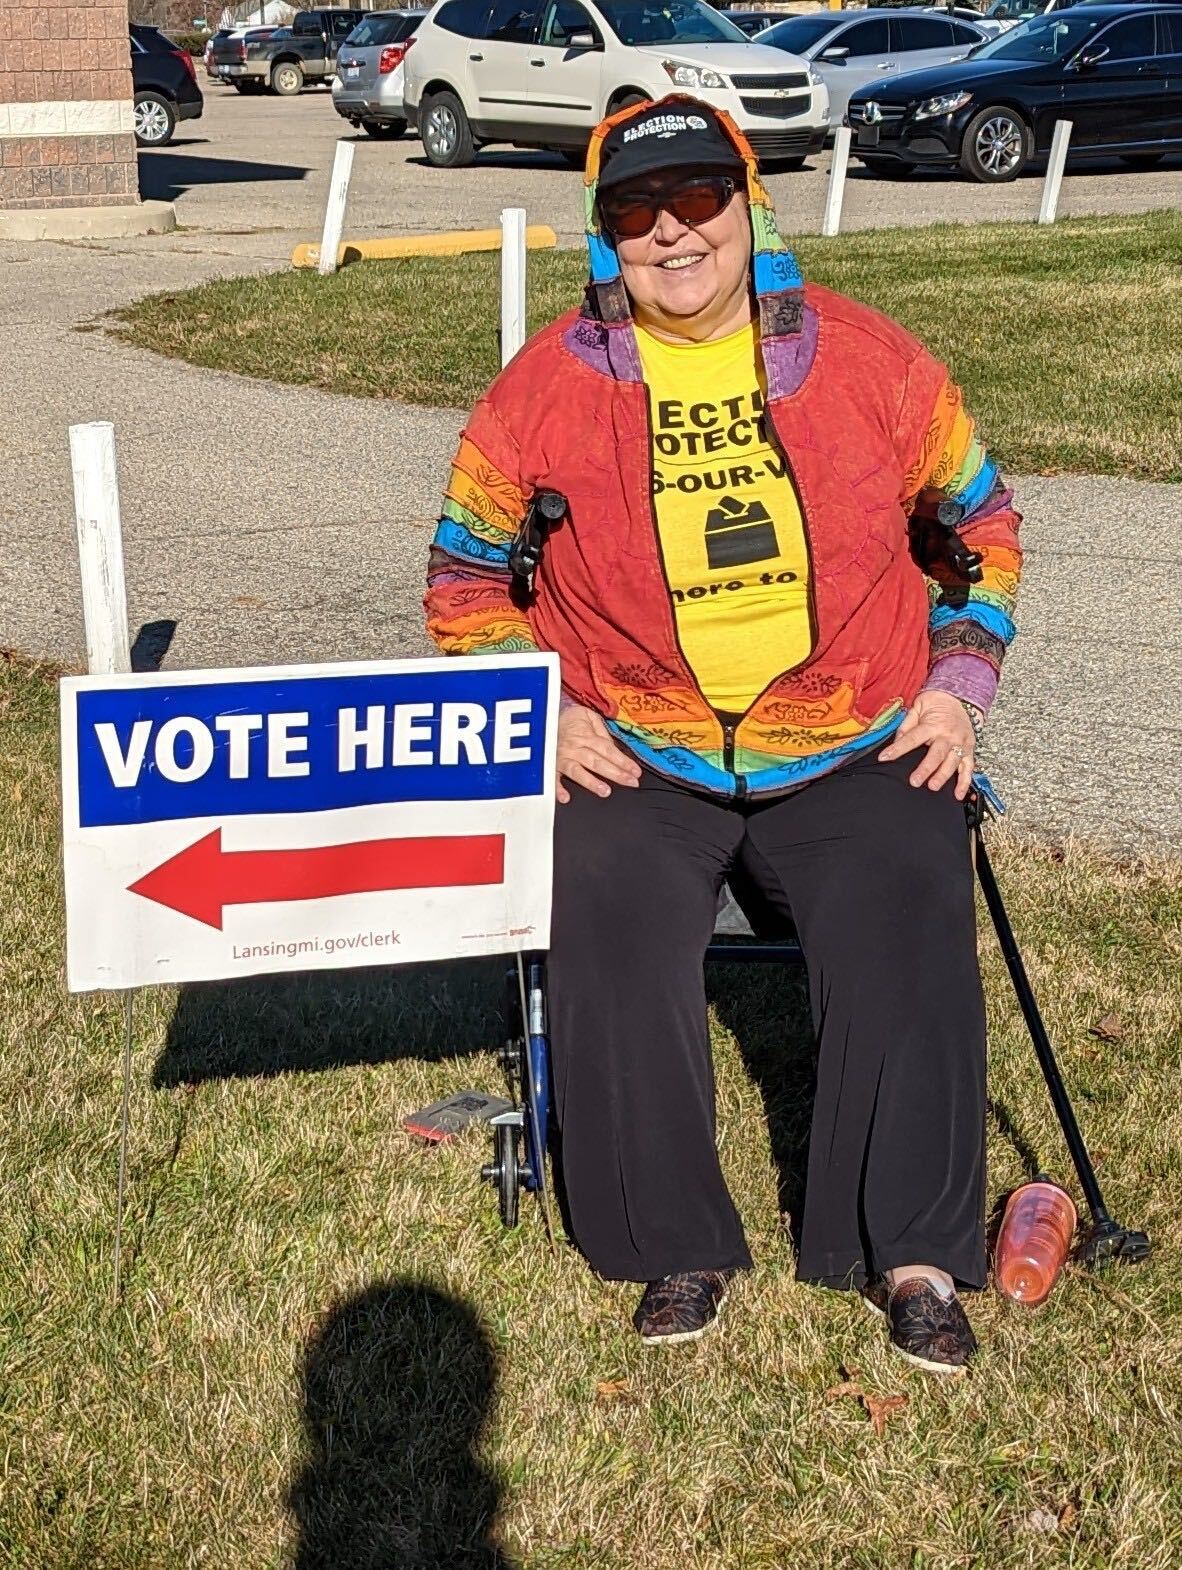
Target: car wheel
x,y
153,120
997,146
287,79
390,130
626,99
447,136
1141,160
888,168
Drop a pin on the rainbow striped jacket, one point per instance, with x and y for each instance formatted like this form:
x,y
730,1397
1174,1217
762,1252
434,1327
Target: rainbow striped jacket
x,y
874,434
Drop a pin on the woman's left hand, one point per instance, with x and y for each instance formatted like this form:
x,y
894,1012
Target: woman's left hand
x,y
938,722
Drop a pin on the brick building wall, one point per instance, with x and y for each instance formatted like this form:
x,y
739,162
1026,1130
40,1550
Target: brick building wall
x,y
65,105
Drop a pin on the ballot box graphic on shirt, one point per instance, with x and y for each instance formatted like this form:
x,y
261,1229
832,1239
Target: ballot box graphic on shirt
x,y
221,823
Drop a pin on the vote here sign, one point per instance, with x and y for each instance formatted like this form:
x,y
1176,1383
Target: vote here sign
x,y
225,823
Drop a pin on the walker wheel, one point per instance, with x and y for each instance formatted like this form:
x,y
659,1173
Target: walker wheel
x,y
505,1170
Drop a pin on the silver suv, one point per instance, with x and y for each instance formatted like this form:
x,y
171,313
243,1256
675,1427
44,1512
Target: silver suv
x,y
543,73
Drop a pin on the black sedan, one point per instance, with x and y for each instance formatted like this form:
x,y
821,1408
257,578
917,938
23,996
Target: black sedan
x,y
164,83
1115,73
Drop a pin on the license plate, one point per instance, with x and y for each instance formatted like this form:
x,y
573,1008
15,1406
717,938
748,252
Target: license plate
x,y
352,72
867,135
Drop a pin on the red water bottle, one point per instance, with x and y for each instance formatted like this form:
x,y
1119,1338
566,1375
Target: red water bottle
x,y
1032,1246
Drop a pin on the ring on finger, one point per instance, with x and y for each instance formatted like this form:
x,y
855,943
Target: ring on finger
x,y
958,752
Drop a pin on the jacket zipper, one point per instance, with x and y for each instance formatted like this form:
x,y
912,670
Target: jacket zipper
x,y
728,731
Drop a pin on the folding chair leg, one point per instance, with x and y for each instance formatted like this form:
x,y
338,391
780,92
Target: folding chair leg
x,y
1105,1239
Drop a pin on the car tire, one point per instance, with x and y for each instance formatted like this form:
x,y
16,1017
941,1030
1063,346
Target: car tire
x,y
287,78
388,130
997,145
153,120
1141,160
445,131
888,168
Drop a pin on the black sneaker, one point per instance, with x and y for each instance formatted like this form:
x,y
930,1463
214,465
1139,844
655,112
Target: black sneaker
x,y
682,1307
930,1330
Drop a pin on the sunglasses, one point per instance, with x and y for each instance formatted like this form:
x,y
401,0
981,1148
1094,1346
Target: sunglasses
x,y
629,215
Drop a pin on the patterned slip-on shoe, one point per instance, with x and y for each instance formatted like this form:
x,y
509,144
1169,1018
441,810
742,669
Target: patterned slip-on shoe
x,y
931,1331
682,1307
875,1294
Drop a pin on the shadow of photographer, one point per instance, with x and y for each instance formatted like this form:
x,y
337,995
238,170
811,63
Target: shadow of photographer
x,y
398,1383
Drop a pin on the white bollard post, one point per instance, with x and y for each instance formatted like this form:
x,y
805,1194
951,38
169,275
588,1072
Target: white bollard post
x,y
1055,166
512,282
100,547
108,652
334,213
831,222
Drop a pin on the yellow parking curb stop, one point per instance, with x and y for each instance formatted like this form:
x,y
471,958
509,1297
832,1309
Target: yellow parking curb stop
x,y
538,237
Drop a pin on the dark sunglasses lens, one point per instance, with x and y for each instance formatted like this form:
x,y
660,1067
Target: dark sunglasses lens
x,y
630,219
698,203
695,202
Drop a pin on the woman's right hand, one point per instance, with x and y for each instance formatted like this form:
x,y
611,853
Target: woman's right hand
x,y
588,756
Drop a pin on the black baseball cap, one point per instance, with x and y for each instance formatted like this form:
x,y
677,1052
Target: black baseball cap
x,y
676,133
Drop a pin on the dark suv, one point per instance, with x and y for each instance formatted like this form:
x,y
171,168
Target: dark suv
x,y
164,82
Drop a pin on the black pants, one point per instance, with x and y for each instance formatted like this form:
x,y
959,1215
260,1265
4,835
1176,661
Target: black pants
x,y
877,877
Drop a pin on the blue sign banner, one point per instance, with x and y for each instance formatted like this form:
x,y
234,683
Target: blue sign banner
x,y
308,744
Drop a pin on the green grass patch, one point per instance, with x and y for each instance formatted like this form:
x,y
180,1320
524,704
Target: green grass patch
x,y
1067,340
329,1354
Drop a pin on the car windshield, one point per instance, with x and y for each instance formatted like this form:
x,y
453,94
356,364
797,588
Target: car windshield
x,y
798,33
1051,37
674,22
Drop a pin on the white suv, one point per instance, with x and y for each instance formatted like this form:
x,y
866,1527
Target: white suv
x,y
543,73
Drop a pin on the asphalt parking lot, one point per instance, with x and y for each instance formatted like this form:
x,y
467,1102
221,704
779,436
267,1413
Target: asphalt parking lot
x,y
262,164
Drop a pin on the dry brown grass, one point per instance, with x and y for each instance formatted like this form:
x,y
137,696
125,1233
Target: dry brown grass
x,y
330,1354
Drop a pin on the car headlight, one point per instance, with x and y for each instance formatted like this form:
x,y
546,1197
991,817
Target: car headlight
x,y
947,103
692,75
816,78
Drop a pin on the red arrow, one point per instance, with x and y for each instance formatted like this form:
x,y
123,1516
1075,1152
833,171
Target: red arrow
x,y
199,880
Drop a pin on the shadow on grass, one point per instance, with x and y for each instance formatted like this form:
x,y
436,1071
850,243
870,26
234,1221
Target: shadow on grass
x,y
398,1382
331,1019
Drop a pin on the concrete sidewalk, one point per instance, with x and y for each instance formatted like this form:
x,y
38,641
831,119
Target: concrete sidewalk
x,y
276,523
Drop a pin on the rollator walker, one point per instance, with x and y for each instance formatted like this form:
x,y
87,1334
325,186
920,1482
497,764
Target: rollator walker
x,y
748,930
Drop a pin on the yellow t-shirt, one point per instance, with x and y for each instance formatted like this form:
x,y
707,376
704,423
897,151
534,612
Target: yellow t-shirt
x,y
728,518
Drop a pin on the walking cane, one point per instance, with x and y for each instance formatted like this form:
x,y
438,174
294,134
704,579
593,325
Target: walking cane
x,y
1105,1239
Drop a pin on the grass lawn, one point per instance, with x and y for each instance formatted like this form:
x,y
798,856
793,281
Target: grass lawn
x,y
329,1354
1068,339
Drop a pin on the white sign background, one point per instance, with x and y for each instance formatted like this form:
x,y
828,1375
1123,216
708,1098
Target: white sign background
x,y
116,938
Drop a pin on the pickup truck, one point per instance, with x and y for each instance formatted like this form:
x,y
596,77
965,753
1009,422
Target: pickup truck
x,y
304,52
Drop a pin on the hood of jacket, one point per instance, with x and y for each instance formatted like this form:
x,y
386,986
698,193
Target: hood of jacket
x,y
605,332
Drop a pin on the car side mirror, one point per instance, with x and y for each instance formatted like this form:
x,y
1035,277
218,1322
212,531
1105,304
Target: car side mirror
x,y
583,39
836,55
1089,59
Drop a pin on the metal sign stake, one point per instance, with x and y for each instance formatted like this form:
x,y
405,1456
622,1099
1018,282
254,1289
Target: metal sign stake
x,y
124,1115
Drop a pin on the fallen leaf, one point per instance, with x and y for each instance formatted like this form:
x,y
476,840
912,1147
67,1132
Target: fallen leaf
x,y
848,1387
880,1408
248,602
1068,1516
613,1390
1041,1520
1109,1028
